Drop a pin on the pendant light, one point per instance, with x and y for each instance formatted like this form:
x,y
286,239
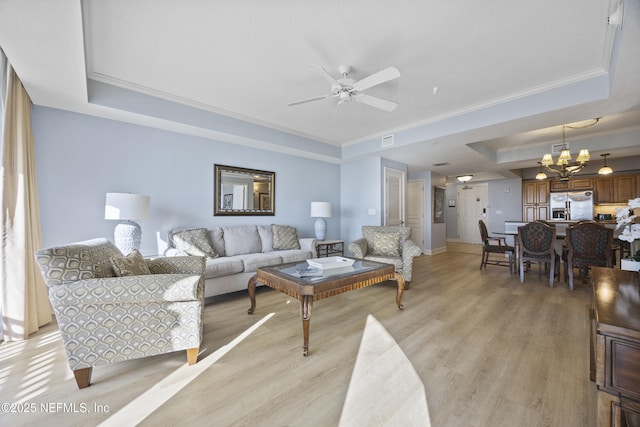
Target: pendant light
x,y
541,174
605,170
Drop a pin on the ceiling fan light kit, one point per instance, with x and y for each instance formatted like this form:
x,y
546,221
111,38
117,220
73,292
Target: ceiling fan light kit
x,y
346,89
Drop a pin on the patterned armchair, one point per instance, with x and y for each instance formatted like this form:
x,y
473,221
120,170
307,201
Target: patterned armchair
x,y
588,244
389,244
155,307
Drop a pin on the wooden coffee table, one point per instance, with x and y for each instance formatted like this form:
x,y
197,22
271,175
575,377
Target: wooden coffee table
x,y
284,279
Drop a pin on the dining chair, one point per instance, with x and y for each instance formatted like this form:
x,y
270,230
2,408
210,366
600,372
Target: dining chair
x,y
588,244
495,245
536,243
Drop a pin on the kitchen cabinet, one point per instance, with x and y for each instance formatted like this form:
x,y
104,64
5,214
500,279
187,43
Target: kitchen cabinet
x,y
535,200
624,188
578,184
603,190
616,189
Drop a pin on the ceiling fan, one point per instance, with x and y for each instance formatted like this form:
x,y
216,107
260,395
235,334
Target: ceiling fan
x,y
347,89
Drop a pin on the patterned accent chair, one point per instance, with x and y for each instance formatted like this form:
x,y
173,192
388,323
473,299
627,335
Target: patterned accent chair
x,y
105,319
537,243
588,244
489,247
388,244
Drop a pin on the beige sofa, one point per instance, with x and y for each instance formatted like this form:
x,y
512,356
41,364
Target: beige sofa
x,y
238,251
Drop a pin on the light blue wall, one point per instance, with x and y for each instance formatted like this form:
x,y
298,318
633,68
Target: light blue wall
x,y
80,158
360,191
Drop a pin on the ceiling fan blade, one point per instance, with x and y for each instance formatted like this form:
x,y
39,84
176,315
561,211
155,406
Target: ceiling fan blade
x,y
304,101
377,78
326,75
374,101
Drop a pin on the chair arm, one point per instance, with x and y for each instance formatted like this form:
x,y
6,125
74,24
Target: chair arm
x,y
500,240
410,250
127,290
358,248
176,265
309,244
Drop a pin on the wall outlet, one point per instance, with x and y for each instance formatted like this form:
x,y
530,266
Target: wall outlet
x,y
372,211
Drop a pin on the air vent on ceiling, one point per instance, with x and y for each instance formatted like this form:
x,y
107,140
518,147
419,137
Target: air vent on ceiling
x,y
442,164
387,141
557,148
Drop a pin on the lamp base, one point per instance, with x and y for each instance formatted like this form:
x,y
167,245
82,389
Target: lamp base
x,y
127,236
321,228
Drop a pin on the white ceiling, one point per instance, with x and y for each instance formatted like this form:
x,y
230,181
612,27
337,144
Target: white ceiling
x,y
500,75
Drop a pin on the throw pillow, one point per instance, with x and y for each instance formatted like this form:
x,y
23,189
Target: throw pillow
x,y
386,244
194,242
284,237
131,265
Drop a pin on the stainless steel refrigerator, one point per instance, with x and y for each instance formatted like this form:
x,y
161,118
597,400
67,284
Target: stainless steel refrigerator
x,y
572,205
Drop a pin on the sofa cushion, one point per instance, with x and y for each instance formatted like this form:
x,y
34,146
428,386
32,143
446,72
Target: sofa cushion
x,y
266,237
241,239
386,244
254,261
217,240
131,265
194,242
284,237
222,266
294,255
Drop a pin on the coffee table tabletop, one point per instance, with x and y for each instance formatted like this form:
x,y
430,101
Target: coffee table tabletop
x,y
285,278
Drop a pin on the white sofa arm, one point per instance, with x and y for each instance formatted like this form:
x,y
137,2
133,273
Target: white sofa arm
x,y
309,244
174,252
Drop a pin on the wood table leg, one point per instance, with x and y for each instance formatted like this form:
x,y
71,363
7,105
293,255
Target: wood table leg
x,y
306,304
251,289
400,281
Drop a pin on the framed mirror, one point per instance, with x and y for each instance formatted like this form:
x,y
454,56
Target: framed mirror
x,y
240,191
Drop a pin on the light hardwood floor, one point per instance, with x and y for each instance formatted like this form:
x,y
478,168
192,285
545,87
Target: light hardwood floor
x,y
489,350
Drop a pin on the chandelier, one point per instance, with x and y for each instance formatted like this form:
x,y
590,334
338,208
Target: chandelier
x,y
566,168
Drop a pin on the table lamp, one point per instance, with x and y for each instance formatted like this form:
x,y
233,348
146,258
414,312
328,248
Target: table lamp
x,y
128,208
321,210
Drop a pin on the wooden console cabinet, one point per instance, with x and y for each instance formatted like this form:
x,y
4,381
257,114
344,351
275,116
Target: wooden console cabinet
x,y
615,346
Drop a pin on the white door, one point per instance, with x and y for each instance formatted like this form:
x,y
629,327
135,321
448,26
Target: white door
x,y
394,197
415,211
472,207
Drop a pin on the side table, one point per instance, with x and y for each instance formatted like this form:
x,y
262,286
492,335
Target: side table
x,y
328,248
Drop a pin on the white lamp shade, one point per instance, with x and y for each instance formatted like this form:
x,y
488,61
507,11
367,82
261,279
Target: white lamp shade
x,y
321,209
126,206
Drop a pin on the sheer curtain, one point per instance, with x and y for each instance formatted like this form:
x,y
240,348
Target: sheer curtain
x,y
24,304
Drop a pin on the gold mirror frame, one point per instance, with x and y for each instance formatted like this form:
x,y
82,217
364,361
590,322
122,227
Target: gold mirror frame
x,y
243,192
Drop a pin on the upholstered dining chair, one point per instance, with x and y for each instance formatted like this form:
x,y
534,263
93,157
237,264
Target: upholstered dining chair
x,y
536,243
112,308
588,244
495,245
